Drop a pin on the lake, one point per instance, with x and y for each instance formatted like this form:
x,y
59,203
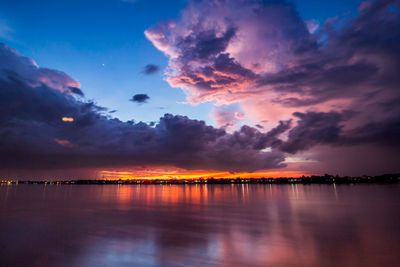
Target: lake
x,y
200,225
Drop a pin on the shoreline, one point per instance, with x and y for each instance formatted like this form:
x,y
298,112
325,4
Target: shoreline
x,y
326,179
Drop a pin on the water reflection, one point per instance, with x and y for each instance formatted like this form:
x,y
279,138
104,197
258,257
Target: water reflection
x,y
200,225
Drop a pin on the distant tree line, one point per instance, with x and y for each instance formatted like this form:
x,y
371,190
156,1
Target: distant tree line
x,y
314,179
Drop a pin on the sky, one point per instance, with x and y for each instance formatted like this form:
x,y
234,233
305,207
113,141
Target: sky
x,y
254,88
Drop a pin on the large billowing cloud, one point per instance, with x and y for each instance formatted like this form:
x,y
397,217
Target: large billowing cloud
x,y
219,50
241,50
339,84
44,126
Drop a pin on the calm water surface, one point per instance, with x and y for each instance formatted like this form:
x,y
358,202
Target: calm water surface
x,y
200,225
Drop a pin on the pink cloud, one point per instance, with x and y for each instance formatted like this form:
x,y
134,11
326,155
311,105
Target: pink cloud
x,y
227,116
265,58
30,72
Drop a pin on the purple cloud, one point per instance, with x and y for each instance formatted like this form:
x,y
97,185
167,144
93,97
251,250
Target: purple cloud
x,y
338,85
253,51
34,136
151,69
140,98
218,49
227,116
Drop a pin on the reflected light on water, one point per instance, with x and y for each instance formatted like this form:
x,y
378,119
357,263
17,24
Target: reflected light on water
x,y
200,225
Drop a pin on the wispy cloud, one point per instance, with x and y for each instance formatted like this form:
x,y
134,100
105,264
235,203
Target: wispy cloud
x,y
5,31
151,69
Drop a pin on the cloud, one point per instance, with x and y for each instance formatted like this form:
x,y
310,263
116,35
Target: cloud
x,y
319,128
227,116
26,70
5,31
262,56
312,129
93,140
140,98
65,143
250,51
151,69
219,49
312,25
76,91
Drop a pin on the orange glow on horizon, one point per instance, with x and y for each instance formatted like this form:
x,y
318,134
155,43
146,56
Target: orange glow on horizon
x,y
169,174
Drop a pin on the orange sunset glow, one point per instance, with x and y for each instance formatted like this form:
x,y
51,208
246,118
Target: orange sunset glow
x,y
172,173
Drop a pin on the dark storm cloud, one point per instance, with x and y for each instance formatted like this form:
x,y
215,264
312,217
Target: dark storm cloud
x,y
76,91
312,129
140,98
270,139
151,69
383,133
362,57
34,136
320,128
204,44
317,83
96,141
